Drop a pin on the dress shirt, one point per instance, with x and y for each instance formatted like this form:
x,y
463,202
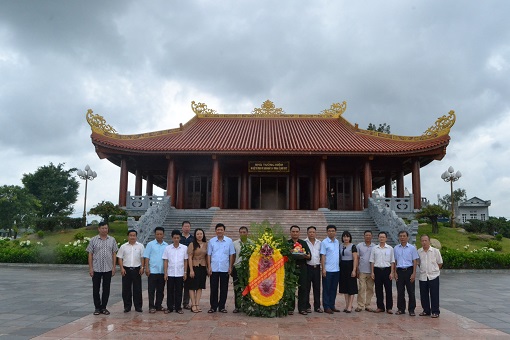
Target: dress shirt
x,y
186,240
131,254
429,263
237,246
175,257
405,255
154,252
364,252
331,249
382,257
220,252
102,253
315,249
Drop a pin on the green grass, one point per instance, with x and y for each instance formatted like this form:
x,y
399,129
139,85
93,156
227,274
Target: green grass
x,y
118,230
452,239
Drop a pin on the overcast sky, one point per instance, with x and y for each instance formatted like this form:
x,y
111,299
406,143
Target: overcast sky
x,y
139,64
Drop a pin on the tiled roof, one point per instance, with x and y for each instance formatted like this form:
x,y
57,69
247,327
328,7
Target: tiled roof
x,y
241,135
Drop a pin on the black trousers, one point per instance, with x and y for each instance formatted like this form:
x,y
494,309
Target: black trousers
x,y
174,287
156,287
185,297
237,295
132,288
218,280
404,283
430,287
313,281
382,279
302,291
101,302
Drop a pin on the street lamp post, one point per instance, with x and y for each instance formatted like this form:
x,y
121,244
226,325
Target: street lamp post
x,y
87,175
451,176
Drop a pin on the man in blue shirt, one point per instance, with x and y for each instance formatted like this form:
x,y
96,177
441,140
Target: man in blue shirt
x,y
330,263
154,270
406,259
219,262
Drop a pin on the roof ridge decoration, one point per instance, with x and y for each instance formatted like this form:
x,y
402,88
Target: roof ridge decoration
x,y
440,128
335,111
98,123
201,110
268,109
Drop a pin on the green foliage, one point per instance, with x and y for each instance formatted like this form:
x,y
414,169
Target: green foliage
x,y
494,245
55,187
19,252
384,128
291,279
473,237
18,208
73,252
498,237
458,195
79,235
455,259
106,209
432,213
55,223
40,234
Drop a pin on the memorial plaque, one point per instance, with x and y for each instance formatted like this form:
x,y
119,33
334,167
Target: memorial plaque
x,y
268,166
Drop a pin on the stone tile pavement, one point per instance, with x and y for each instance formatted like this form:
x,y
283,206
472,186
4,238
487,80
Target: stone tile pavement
x,y
54,302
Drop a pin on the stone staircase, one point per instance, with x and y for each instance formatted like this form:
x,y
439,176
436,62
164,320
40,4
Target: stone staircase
x,y
354,221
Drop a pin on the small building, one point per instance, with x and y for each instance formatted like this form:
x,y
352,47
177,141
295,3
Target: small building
x,y
473,209
269,159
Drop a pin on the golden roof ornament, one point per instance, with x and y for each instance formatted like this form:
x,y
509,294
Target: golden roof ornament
x,y
98,123
268,109
442,126
335,111
201,110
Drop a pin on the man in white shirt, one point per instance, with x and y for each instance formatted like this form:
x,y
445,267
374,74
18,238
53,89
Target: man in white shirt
x,y
366,283
130,258
175,258
238,244
430,264
314,271
382,262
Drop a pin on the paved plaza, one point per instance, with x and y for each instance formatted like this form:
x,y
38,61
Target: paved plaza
x,y
55,302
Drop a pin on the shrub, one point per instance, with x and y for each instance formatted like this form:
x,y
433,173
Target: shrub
x,y
494,245
454,259
19,252
79,236
73,252
498,237
40,234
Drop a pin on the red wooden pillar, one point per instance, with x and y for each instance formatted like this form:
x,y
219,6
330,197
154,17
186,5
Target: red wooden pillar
x,y
388,191
244,190
215,190
356,190
123,182
149,189
138,182
293,189
367,183
400,184
316,191
416,184
180,190
170,181
323,184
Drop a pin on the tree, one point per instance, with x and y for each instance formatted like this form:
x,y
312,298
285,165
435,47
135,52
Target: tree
x,y
105,210
432,212
55,187
458,195
18,208
384,128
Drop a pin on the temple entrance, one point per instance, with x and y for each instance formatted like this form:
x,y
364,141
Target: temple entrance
x,y
198,192
232,192
268,193
304,193
340,193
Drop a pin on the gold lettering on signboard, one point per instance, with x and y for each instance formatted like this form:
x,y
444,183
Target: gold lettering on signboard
x,y
268,166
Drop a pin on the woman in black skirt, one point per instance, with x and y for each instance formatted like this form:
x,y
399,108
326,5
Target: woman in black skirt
x,y
197,260
348,284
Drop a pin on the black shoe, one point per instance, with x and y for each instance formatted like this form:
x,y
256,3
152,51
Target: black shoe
x,y
97,312
318,310
309,310
187,307
139,310
127,310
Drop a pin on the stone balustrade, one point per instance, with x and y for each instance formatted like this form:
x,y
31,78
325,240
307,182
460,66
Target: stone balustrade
x,y
154,217
387,220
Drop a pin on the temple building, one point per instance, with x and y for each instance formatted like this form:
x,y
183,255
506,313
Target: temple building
x,y
269,159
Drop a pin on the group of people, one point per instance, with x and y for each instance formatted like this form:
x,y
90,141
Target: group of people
x,y
184,265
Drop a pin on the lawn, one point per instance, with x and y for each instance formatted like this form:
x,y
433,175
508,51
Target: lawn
x,y
118,229
452,239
